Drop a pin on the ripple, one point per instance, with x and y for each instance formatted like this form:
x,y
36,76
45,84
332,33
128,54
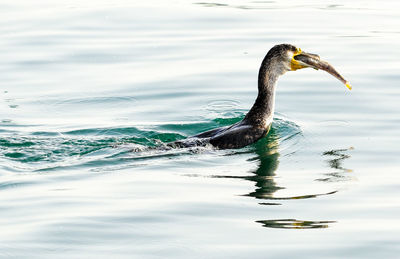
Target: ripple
x,y
222,105
96,100
220,110
13,184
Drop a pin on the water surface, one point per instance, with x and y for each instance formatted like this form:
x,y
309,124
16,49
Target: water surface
x,y
89,89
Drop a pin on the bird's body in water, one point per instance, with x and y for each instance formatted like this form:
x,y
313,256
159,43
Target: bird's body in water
x,y
257,122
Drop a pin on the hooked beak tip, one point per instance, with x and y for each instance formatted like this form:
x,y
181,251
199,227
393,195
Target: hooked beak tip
x,y
302,60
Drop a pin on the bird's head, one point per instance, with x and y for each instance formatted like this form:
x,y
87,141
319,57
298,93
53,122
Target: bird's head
x,y
286,57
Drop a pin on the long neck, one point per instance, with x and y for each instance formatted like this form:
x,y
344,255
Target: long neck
x,y
262,112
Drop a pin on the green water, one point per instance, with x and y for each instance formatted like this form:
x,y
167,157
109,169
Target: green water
x,y
91,92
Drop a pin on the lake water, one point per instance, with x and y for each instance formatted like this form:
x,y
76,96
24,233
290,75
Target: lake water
x,y
87,87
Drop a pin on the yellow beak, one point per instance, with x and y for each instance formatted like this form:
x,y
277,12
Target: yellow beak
x,y
294,64
302,59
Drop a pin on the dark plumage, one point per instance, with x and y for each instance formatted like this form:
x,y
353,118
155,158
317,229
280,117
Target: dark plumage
x,y
257,122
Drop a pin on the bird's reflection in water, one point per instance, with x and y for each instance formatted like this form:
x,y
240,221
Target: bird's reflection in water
x,y
294,224
267,155
335,161
265,186
264,176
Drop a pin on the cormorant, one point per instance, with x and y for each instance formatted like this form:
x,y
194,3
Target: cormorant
x,y
257,122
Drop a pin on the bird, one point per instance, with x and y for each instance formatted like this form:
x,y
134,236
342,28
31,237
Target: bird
x,y
256,124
